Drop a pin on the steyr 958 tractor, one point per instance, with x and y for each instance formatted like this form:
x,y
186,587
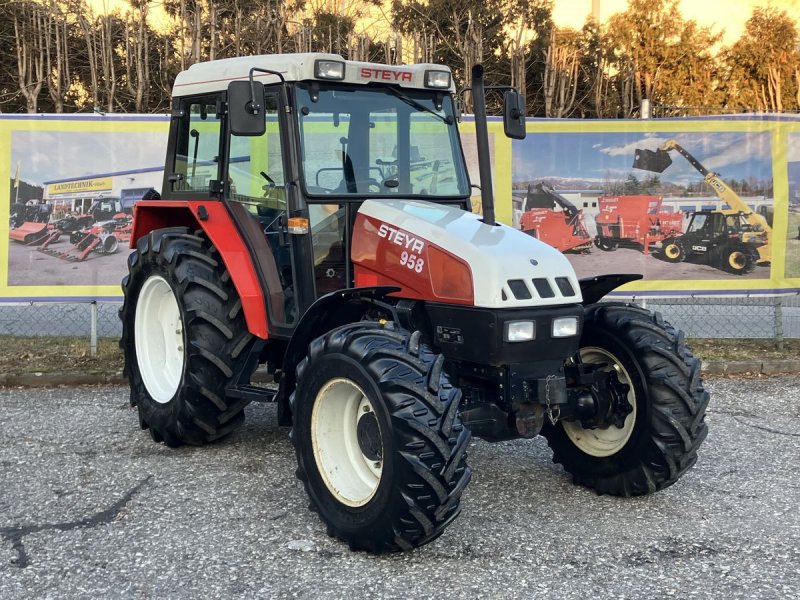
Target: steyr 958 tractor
x,y
299,229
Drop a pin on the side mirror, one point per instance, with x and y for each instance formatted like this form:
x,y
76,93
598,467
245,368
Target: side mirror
x,y
246,108
514,115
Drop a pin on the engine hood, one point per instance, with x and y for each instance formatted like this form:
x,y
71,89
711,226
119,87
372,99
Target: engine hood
x,y
508,268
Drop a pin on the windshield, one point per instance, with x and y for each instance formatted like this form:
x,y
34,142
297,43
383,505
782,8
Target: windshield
x,y
379,142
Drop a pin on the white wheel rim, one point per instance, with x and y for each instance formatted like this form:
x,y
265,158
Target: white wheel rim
x,y
350,475
608,441
158,336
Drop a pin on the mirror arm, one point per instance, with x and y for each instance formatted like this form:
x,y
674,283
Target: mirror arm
x,y
254,107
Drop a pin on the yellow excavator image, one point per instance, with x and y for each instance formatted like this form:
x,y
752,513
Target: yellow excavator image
x,y
734,239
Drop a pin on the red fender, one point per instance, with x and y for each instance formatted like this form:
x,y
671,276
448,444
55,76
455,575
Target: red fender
x,y
218,225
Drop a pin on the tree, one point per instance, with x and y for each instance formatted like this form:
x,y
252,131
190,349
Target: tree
x,y
462,33
561,73
762,66
658,55
31,52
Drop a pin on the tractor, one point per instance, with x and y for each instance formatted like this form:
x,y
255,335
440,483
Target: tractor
x,y
733,239
297,233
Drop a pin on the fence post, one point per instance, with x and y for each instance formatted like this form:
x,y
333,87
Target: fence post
x,y
93,329
778,325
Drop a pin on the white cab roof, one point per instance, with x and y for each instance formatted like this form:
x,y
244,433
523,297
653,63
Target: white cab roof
x,y
215,75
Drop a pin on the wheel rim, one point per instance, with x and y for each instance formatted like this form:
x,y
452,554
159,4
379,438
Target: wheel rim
x,y
158,336
110,244
673,251
737,260
608,441
347,442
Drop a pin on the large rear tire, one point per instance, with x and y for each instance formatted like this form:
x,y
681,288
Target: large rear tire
x,y
659,439
380,445
184,338
739,259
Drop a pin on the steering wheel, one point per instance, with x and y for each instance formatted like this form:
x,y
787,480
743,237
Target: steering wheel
x,y
372,185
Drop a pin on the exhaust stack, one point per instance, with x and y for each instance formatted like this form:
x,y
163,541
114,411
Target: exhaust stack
x,y
482,139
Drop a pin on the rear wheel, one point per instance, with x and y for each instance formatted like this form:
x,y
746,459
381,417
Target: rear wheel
x,y
605,244
184,338
380,446
738,259
658,440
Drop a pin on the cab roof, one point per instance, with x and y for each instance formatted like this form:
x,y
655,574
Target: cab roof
x,y
215,75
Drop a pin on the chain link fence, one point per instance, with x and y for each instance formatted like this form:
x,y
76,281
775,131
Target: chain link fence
x,y
755,317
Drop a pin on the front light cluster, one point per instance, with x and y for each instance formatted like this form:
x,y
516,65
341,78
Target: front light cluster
x,y
525,331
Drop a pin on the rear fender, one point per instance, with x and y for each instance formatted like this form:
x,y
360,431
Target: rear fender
x,y
215,221
594,288
328,312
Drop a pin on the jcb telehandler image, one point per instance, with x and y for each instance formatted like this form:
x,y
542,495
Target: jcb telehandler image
x,y
291,234
733,239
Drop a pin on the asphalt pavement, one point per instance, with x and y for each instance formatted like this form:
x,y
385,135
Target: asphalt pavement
x,y
90,507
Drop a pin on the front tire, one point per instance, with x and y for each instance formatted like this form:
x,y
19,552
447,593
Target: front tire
x,y
380,446
659,439
184,338
672,251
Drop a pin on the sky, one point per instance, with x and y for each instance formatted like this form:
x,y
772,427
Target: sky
x,y
600,156
48,155
727,15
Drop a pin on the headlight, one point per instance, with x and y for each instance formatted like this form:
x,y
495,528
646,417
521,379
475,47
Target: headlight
x,y
437,79
329,69
565,327
520,331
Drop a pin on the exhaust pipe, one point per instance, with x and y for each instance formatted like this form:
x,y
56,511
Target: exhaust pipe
x,y
482,139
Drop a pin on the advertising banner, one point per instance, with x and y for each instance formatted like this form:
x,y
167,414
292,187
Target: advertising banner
x,y
703,206
698,206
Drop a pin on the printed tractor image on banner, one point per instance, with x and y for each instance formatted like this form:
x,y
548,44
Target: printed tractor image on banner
x,y
71,202
692,211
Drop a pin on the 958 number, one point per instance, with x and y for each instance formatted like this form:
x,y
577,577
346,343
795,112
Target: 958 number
x,y
412,262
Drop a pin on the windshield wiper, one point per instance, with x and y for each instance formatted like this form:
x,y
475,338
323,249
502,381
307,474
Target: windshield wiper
x,y
418,105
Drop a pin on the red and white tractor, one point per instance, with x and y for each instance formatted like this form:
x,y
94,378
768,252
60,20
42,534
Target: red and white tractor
x,y
292,233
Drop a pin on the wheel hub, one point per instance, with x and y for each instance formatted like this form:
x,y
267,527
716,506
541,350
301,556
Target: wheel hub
x,y
608,429
369,436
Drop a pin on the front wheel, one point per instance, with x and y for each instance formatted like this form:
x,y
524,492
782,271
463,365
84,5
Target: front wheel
x,y
672,251
658,440
380,446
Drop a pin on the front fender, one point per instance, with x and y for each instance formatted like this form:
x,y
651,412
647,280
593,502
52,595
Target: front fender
x,y
594,288
328,312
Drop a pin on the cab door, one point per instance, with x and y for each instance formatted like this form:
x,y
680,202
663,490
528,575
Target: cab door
x,y
255,184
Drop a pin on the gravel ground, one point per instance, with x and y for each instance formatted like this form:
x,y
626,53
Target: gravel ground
x,y
91,507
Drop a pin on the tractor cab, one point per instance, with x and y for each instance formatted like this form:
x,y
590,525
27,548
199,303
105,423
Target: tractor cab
x,y
326,136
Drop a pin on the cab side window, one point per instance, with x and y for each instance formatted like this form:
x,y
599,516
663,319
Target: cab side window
x,y
255,174
196,161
